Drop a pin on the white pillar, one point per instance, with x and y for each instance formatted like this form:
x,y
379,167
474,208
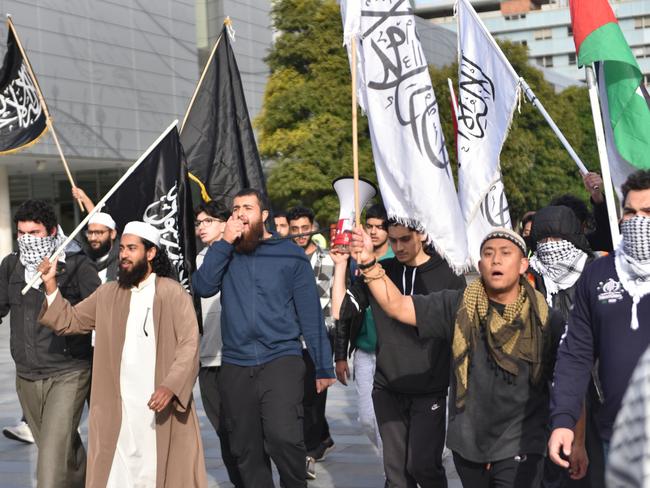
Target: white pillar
x,y
5,214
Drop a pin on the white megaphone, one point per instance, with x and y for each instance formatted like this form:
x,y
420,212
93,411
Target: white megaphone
x,y
344,188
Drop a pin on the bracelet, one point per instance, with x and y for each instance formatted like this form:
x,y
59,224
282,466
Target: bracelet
x,y
376,272
368,265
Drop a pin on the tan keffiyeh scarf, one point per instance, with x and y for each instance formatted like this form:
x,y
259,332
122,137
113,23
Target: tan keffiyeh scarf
x,y
518,334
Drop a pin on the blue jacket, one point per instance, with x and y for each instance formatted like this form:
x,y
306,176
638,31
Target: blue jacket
x,y
268,299
598,328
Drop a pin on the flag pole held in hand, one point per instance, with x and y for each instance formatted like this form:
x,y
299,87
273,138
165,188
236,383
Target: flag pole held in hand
x,y
54,257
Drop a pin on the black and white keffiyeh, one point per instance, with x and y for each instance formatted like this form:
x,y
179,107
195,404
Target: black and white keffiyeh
x,y
32,251
560,263
633,261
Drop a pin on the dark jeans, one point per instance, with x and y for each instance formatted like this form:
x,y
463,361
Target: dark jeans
x,y
509,473
208,383
264,416
316,428
412,429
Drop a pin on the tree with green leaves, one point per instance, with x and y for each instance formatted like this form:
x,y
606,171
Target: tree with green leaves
x,y
305,126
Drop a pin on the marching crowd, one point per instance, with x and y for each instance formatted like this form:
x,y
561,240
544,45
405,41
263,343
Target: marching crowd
x,y
521,372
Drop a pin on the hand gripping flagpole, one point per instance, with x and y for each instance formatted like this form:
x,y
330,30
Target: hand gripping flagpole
x,y
602,153
100,204
48,117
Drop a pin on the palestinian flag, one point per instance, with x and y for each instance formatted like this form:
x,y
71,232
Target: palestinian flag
x,y
625,103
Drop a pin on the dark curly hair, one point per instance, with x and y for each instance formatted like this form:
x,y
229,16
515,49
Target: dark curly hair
x,y
161,265
639,180
213,209
299,212
38,211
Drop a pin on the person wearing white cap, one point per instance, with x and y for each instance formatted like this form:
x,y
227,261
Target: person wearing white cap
x,y
503,338
143,427
103,245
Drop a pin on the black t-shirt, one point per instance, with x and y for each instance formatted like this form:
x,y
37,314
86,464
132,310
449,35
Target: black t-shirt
x,y
503,415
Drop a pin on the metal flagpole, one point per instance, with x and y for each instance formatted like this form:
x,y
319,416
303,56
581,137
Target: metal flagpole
x,y
355,138
602,153
100,204
530,94
48,117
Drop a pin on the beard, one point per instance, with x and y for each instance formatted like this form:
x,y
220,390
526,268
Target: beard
x,y
249,241
127,279
103,249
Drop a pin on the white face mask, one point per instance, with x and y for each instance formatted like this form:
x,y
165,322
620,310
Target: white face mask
x,y
34,249
636,238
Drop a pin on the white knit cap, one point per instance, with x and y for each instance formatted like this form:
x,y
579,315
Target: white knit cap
x,y
143,230
104,219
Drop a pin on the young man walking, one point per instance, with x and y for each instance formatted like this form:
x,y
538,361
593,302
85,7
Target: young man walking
x,y
269,300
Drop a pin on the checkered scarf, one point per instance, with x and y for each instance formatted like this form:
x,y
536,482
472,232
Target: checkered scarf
x,y
323,267
633,261
560,263
32,249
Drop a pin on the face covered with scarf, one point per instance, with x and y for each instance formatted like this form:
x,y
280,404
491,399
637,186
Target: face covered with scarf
x,y
35,243
560,262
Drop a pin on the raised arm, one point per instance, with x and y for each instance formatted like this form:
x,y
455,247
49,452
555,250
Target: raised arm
x,y
58,314
387,295
338,283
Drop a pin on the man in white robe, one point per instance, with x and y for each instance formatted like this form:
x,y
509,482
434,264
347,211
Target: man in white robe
x,y
147,341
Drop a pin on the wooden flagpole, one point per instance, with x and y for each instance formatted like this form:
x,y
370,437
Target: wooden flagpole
x,y
48,117
100,204
596,113
198,84
355,137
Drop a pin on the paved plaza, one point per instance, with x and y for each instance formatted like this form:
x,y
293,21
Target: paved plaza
x,y
353,463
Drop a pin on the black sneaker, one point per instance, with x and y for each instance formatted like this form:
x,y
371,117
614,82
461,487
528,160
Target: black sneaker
x,y
324,447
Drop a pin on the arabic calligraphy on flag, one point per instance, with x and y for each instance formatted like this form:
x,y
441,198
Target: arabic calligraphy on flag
x,y
408,145
22,118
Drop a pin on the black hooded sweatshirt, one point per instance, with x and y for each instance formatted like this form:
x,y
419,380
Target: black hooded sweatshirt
x,y
406,363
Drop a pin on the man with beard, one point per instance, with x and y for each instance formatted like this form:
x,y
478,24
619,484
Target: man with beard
x,y
609,322
52,373
269,299
317,432
359,335
210,223
412,373
101,243
143,428
502,338
281,223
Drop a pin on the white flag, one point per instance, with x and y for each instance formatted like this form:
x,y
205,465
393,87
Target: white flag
x,y
488,92
408,146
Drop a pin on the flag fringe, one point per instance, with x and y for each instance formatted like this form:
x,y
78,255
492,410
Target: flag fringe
x,y
412,223
24,146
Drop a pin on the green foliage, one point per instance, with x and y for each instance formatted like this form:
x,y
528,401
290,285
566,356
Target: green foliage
x,y
305,125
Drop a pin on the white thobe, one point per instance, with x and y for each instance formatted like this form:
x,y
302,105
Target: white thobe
x,y
134,462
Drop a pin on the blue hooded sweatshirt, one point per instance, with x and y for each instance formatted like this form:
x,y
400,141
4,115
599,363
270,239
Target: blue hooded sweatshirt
x,y
268,299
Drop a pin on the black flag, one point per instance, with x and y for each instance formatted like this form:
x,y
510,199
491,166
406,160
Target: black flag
x,y
158,193
217,135
22,118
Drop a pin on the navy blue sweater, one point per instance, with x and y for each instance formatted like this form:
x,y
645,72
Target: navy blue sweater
x,y
268,300
598,328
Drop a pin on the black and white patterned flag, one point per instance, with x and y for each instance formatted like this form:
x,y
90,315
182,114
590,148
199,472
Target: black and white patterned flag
x,y
22,116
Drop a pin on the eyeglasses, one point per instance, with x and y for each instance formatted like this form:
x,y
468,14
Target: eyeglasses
x,y
206,221
98,233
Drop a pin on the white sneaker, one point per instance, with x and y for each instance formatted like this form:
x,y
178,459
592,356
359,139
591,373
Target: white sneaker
x,y
310,468
20,432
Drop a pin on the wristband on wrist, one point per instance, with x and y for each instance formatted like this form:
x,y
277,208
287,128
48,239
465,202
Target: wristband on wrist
x,y
369,264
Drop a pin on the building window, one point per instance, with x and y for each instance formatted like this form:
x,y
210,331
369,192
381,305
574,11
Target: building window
x,y
545,61
642,22
515,17
569,30
641,51
646,79
542,34
572,59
